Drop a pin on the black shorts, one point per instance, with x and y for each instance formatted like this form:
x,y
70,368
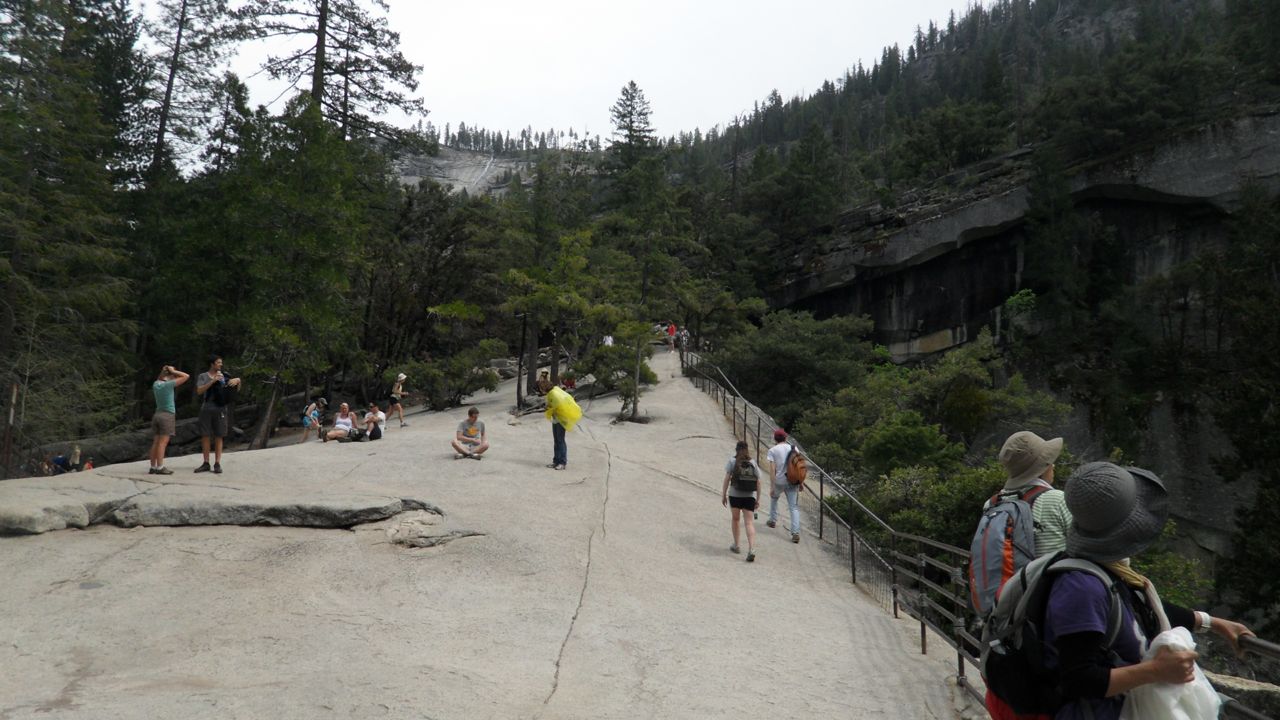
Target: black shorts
x,y
742,503
212,421
395,400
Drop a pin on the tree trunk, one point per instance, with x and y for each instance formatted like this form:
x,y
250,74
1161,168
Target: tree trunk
x,y
520,362
635,399
531,371
555,360
317,72
167,104
262,434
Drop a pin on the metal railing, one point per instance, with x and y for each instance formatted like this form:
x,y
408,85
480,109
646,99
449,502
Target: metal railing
x,y
908,573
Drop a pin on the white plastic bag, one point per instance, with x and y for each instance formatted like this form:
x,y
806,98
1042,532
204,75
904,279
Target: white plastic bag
x,y
1196,700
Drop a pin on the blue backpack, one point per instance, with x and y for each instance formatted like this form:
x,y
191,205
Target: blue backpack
x,y
1004,543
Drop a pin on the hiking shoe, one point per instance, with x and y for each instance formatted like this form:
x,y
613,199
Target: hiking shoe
x,y
476,457
772,523
151,471
795,537
217,470
403,424
751,556
553,466
162,471
458,456
560,467
204,467
734,549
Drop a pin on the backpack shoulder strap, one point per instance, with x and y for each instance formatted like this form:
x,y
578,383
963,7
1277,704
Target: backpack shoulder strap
x,y
1115,614
1030,494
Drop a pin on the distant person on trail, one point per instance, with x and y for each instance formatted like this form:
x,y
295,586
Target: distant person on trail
x,y
344,423
470,441
564,413
164,421
777,457
215,388
397,394
1028,462
311,419
741,494
373,421
671,336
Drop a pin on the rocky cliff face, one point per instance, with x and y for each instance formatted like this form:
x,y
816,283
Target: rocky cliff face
x,y
938,268
935,271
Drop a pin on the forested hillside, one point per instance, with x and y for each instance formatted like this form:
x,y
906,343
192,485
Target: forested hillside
x,y
150,215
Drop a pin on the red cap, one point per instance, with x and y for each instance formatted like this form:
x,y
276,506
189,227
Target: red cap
x,y
779,434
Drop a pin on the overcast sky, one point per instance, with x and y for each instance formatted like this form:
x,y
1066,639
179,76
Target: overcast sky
x,y
505,64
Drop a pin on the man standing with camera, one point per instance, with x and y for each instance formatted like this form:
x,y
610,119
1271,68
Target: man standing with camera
x,y
215,388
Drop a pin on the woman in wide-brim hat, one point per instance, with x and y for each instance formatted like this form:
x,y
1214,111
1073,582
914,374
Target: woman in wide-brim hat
x,y
1117,512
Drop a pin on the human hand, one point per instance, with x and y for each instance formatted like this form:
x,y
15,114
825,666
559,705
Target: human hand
x,y
235,382
724,500
1231,631
1173,666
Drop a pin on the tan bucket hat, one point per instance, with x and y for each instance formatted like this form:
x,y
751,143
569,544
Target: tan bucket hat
x,y
1025,456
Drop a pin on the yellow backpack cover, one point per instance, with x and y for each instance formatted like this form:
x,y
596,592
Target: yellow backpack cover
x,y
562,408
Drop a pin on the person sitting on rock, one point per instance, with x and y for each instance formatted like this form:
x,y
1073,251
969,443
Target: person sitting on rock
x,y
544,384
343,424
469,441
373,421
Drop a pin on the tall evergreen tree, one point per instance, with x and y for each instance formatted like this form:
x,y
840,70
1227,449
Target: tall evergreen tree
x,y
633,136
62,295
349,59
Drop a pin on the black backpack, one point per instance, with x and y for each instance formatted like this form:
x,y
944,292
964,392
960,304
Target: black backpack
x,y
1013,652
745,477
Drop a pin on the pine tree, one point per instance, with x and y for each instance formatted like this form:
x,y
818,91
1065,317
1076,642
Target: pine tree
x,y
349,59
633,137
62,294
192,37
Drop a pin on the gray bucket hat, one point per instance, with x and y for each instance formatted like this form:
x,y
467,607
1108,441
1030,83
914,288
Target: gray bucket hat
x,y
1115,512
1025,456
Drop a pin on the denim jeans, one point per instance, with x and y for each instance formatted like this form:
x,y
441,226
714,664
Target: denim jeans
x,y
793,501
560,453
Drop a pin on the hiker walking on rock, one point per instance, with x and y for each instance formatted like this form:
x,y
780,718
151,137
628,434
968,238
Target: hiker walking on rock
x,y
311,419
215,387
164,422
741,494
397,392
777,457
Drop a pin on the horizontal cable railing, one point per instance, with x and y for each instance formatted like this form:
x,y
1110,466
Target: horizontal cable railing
x,y
907,573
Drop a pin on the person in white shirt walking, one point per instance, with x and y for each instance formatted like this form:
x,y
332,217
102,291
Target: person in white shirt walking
x,y
777,457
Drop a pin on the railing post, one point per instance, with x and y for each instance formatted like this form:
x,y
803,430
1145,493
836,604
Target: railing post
x,y
758,437
958,626
923,609
853,555
822,495
733,419
893,570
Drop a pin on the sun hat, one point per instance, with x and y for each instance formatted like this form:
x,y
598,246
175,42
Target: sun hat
x,y
322,402
401,377
1116,512
1025,456
779,435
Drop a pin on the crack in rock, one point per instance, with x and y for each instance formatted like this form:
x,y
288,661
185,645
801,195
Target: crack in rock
x,y
427,541
582,595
